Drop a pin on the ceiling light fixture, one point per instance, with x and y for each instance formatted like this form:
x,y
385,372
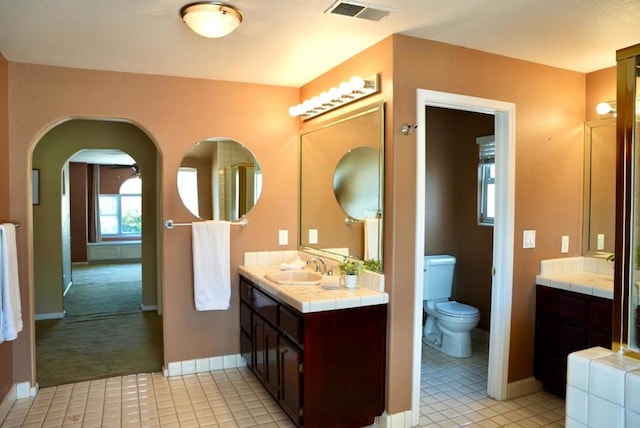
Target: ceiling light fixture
x,y
606,108
211,19
347,92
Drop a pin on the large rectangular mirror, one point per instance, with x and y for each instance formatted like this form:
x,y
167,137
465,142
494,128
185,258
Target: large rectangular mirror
x,y
341,186
599,187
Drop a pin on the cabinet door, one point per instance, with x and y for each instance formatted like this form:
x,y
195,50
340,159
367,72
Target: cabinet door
x,y
291,379
265,341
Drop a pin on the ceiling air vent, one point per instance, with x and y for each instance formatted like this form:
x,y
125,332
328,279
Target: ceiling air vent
x,y
358,10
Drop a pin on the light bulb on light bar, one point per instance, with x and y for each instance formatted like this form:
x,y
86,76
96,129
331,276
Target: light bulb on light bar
x,y
604,108
345,93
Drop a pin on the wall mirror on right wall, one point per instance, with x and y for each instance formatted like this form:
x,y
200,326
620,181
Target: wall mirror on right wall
x,y
626,280
341,186
599,218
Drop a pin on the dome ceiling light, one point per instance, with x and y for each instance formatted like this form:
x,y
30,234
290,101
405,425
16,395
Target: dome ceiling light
x,y
211,19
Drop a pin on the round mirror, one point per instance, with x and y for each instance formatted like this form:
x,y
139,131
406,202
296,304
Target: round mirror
x,y
356,182
219,179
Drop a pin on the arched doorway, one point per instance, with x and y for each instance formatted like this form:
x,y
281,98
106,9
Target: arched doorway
x,y
51,237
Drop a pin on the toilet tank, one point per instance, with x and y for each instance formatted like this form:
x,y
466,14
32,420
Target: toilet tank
x,y
438,276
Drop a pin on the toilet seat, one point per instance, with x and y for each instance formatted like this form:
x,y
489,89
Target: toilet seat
x,y
457,309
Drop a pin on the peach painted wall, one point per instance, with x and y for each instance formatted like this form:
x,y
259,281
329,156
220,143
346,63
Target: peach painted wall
x,y
175,113
600,86
6,348
549,117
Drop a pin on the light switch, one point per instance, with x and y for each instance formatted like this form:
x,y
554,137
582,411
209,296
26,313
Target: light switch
x,y
565,244
529,239
600,243
283,237
313,236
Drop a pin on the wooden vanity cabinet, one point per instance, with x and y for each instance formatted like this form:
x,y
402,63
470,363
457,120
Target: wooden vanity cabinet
x,y
325,369
567,321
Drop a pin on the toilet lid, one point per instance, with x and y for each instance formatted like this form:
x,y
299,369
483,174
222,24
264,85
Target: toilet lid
x,y
456,309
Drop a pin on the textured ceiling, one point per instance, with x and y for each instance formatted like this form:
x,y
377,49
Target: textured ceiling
x,y
290,42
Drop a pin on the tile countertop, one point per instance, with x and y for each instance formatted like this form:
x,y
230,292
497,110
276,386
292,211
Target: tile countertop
x,y
312,298
594,284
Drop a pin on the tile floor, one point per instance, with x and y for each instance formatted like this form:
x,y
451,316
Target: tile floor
x,y
453,395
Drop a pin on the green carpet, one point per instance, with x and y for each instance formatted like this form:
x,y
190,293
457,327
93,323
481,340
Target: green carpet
x,y
104,333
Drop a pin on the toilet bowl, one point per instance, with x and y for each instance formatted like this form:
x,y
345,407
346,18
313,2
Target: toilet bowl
x,y
448,327
449,323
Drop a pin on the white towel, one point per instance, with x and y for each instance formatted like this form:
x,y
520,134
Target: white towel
x,y
296,264
211,265
371,238
10,311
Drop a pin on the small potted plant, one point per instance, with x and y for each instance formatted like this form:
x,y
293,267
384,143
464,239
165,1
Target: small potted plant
x,y
350,268
373,265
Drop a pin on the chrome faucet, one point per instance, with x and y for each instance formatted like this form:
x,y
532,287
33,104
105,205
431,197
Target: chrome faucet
x,y
320,265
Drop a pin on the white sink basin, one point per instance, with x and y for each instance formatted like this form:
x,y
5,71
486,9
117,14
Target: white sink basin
x,y
295,277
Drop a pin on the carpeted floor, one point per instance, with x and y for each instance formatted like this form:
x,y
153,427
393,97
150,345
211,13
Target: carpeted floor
x,y
105,333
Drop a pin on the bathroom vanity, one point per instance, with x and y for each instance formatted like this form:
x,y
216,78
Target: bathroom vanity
x,y
567,321
322,360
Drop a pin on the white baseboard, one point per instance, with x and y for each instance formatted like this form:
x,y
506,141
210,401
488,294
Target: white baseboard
x,y
25,390
179,368
50,316
149,308
396,420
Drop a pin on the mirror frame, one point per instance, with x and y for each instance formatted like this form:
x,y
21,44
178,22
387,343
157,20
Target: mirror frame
x,y
587,188
378,108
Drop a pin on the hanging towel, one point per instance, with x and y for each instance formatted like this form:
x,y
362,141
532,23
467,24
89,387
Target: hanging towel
x,y
371,239
211,265
10,311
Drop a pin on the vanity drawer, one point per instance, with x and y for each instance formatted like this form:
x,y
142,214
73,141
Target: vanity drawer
x,y
245,291
291,324
563,305
265,306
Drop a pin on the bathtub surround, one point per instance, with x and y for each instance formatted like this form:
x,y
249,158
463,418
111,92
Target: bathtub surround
x,y
602,390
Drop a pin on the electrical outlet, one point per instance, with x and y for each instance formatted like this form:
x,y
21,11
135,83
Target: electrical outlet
x,y
600,243
529,239
565,244
313,236
283,237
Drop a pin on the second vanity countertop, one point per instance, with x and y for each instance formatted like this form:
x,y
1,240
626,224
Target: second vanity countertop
x,y
594,284
312,298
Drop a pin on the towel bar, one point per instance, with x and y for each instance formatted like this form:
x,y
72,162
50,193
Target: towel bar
x,y
243,222
12,222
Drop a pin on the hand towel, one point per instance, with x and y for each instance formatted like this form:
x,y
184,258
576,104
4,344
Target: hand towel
x,y
211,265
297,264
10,310
371,238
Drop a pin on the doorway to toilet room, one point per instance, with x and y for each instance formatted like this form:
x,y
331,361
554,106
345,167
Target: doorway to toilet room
x,y
447,222
455,226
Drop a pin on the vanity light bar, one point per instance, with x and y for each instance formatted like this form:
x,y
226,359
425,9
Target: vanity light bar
x,y
347,92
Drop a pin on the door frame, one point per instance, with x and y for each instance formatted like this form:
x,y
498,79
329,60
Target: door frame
x,y
503,236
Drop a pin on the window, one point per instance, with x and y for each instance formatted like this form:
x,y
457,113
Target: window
x,y
188,188
121,214
486,179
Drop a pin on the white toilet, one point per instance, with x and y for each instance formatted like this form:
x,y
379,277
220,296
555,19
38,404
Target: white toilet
x,y
449,323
